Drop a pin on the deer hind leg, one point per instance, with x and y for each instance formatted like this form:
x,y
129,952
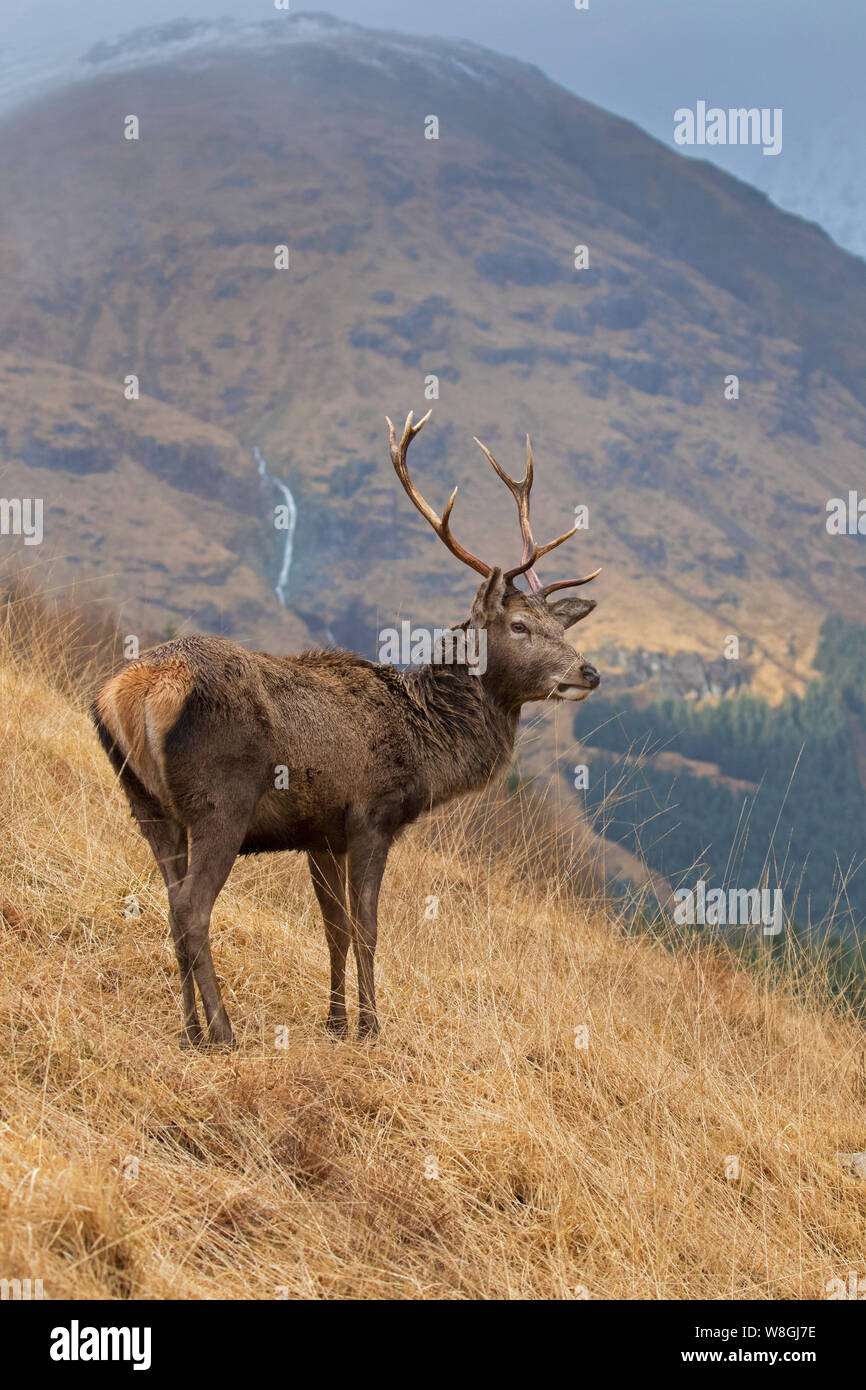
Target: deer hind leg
x,y
328,872
168,840
367,856
213,848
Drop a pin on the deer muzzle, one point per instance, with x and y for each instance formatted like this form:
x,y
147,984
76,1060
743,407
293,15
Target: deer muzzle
x,y
578,687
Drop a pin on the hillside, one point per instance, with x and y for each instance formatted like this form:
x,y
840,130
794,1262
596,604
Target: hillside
x,y
474,1152
151,508
411,257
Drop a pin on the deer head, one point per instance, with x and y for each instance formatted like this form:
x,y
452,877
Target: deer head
x,y
528,657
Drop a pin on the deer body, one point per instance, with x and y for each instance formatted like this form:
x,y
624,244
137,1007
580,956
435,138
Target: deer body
x,y
306,744
222,751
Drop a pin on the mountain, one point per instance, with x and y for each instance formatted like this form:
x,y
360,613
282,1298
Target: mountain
x,y
153,507
820,182
412,257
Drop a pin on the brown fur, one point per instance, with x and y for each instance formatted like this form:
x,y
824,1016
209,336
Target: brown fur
x,y
223,751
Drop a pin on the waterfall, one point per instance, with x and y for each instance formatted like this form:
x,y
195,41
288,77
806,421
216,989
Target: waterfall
x,y
292,514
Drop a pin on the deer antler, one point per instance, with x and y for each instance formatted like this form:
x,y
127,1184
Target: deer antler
x,y
568,583
440,524
531,552
520,492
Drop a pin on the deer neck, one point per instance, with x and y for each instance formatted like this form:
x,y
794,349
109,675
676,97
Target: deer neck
x,y
464,734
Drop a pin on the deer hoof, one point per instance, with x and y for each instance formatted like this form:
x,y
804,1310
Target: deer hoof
x,y
368,1029
192,1037
337,1027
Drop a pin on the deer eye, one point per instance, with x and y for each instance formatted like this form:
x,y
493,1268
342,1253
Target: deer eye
x,y
519,627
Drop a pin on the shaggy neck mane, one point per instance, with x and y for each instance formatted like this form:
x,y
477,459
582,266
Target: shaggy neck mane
x,y
463,732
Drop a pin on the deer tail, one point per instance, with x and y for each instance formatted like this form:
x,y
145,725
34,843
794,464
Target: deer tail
x,y
134,712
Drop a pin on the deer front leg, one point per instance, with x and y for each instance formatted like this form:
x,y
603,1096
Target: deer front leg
x,y
367,856
328,872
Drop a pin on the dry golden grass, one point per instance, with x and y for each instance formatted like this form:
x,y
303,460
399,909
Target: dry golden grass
x,y
473,1152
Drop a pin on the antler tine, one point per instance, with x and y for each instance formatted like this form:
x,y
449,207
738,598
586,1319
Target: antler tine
x,y
551,545
568,583
520,492
517,489
440,524
531,552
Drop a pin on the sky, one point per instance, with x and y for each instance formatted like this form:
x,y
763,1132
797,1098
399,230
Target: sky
x,y
642,59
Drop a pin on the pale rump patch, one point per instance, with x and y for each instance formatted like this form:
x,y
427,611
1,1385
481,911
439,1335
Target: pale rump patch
x,y
138,707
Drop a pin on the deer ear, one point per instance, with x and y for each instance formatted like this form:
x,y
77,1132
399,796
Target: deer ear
x,y
488,601
568,611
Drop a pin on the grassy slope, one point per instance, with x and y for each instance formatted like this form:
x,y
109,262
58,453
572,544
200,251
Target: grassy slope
x,y
304,1168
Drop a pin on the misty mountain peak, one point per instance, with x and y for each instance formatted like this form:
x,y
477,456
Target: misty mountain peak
x,y
180,39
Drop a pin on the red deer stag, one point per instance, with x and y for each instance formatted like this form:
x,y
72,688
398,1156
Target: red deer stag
x,y
204,734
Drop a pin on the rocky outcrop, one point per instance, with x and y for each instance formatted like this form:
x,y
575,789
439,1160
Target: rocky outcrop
x,y
683,675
